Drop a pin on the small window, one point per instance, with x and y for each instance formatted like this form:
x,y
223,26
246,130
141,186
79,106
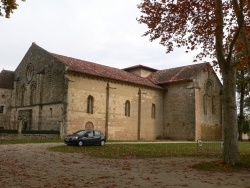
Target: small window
x,y
213,105
1,109
209,87
153,111
127,108
23,95
205,104
33,94
90,104
30,72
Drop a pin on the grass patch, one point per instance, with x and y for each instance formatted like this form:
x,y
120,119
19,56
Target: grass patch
x,y
135,150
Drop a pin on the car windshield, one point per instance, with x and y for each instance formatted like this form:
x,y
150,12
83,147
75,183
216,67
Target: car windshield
x,y
80,133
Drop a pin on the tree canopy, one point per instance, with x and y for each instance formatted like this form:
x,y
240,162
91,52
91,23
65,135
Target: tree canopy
x,y
7,7
195,24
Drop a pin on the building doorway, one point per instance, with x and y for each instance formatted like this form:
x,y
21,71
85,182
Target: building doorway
x,y
25,125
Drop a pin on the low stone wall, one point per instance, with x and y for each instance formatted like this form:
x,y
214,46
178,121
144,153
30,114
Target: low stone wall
x,y
4,136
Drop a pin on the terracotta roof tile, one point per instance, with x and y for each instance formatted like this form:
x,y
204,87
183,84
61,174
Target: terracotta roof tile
x,y
6,79
178,74
94,69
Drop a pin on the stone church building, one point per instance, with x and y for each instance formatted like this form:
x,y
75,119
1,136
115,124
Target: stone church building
x,y
48,91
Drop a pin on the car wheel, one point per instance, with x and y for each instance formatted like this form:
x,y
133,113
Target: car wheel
x,y
80,143
102,143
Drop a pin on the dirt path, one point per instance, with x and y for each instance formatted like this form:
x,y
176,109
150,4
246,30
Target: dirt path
x,y
32,165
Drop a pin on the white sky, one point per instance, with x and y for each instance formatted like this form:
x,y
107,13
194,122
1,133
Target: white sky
x,y
104,32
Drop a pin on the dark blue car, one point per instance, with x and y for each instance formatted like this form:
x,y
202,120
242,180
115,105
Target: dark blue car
x,y
86,137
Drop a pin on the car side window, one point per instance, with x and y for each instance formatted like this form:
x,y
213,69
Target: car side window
x,y
97,133
86,134
90,133
80,133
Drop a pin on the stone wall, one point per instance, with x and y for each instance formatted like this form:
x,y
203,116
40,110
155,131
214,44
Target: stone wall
x,y
39,88
208,106
120,127
179,112
5,105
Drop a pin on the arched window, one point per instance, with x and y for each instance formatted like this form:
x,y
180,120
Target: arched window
x,y
209,87
153,111
127,108
23,95
33,93
29,72
90,104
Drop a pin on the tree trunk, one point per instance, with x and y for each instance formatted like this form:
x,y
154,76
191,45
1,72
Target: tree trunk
x,y
230,149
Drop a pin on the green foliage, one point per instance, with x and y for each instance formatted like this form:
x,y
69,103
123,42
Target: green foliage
x,y
29,131
29,141
8,131
7,7
143,150
246,127
40,132
136,150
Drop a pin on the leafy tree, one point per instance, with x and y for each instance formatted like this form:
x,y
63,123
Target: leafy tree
x,y
7,7
218,28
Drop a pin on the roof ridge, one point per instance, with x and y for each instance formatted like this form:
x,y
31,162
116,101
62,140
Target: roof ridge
x,y
104,71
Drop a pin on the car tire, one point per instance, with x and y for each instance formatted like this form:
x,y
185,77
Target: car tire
x,y
80,143
102,143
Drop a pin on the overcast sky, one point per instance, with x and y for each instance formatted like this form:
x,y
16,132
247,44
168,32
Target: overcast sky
x,y
104,32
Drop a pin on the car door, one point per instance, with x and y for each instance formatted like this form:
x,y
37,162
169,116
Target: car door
x,y
89,137
97,137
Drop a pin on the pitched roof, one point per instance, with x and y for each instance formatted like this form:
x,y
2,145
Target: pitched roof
x,y
6,79
185,73
98,70
140,67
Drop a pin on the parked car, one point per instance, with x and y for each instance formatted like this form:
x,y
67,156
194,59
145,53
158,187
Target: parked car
x,y
86,137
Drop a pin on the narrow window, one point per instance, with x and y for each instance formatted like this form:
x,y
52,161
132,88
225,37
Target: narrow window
x,y
153,111
127,108
50,113
1,109
205,104
90,104
23,95
33,94
213,105
30,72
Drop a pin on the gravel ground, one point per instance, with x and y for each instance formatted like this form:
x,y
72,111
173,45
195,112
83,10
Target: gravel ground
x,y
33,165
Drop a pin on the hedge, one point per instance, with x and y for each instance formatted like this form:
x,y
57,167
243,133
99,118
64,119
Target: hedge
x,y
30,131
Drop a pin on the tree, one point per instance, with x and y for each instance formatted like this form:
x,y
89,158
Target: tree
x,y
7,7
218,28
